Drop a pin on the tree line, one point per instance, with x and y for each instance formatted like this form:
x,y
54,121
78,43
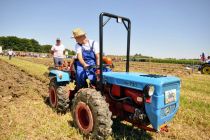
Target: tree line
x,y
26,45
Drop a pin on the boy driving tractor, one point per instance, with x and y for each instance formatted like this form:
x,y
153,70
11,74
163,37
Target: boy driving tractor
x,y
86,60
87,54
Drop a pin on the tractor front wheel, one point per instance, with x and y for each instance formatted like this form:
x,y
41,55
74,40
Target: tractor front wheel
x,y
58,97
91,114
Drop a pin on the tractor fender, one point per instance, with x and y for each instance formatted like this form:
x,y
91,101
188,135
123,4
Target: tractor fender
x,y
61,76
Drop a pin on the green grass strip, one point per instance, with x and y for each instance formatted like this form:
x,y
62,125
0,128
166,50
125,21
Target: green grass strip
x,y
38,71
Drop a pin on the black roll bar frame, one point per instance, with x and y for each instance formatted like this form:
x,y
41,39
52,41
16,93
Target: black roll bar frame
x,y
127,23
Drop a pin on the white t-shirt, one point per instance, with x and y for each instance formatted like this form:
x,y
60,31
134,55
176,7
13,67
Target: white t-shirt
x,y
10,52
58,51
87,46
208,61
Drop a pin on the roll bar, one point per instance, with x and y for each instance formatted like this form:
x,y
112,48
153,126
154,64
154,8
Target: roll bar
x,y
127,23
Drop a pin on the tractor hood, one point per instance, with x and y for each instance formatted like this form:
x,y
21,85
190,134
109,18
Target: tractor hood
x,y
159,111
137,80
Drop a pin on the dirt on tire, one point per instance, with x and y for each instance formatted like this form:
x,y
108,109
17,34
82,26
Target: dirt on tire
x,y
61,97
100,114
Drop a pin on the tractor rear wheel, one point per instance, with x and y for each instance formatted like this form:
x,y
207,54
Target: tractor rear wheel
x,y
91,114
205,69
58,97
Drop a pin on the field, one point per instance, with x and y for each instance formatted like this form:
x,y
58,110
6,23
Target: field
x,y
25,113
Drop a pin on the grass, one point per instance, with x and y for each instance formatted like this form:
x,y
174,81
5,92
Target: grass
x,y
168,60
191,122
39,71
194,111
33,120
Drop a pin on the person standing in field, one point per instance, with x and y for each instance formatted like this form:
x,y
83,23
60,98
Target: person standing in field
x,y
87,53
10,53
58,53
208,60
203,58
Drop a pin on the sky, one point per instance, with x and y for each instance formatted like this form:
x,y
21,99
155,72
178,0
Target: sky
x,y
159,28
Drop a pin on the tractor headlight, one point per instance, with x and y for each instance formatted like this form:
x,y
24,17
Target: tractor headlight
x,y
149,90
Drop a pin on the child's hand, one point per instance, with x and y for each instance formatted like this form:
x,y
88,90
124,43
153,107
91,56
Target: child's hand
x,y
86,66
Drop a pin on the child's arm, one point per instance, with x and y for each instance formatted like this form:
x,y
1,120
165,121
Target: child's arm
x,y
97,59
52,50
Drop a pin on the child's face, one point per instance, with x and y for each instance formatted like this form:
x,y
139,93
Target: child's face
x,y
80,39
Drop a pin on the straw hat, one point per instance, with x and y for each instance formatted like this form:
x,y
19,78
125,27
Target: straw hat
x,y
78,32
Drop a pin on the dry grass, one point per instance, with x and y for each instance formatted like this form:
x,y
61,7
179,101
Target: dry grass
x,y
31,119
191,122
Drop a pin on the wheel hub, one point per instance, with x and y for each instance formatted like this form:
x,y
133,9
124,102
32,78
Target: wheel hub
x,y
53,98
206,70
84,117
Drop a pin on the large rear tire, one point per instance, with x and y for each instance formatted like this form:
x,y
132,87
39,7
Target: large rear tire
x,y
205,69
58,97
91,114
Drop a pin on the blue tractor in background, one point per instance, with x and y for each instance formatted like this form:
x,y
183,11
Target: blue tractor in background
x,y
147,101
204,68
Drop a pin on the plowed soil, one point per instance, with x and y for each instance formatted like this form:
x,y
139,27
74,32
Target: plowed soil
x,y
15,83
23,109
16,88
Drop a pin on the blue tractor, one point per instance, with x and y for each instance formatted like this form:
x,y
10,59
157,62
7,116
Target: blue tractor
x,y
147,101
205,67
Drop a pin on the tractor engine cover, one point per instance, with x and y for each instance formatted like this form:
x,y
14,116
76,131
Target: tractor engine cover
x,y
163,98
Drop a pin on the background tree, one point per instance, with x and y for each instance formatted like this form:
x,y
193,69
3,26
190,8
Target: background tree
x,y
24,44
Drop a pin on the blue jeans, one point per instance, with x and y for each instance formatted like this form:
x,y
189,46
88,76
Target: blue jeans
x,y
58,61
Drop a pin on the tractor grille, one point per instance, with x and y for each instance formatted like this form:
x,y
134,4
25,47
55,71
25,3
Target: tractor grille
x,y
167,110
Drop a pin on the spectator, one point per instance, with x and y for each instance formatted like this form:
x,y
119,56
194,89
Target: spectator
x,y
10,53
208,60
58,53
203,58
